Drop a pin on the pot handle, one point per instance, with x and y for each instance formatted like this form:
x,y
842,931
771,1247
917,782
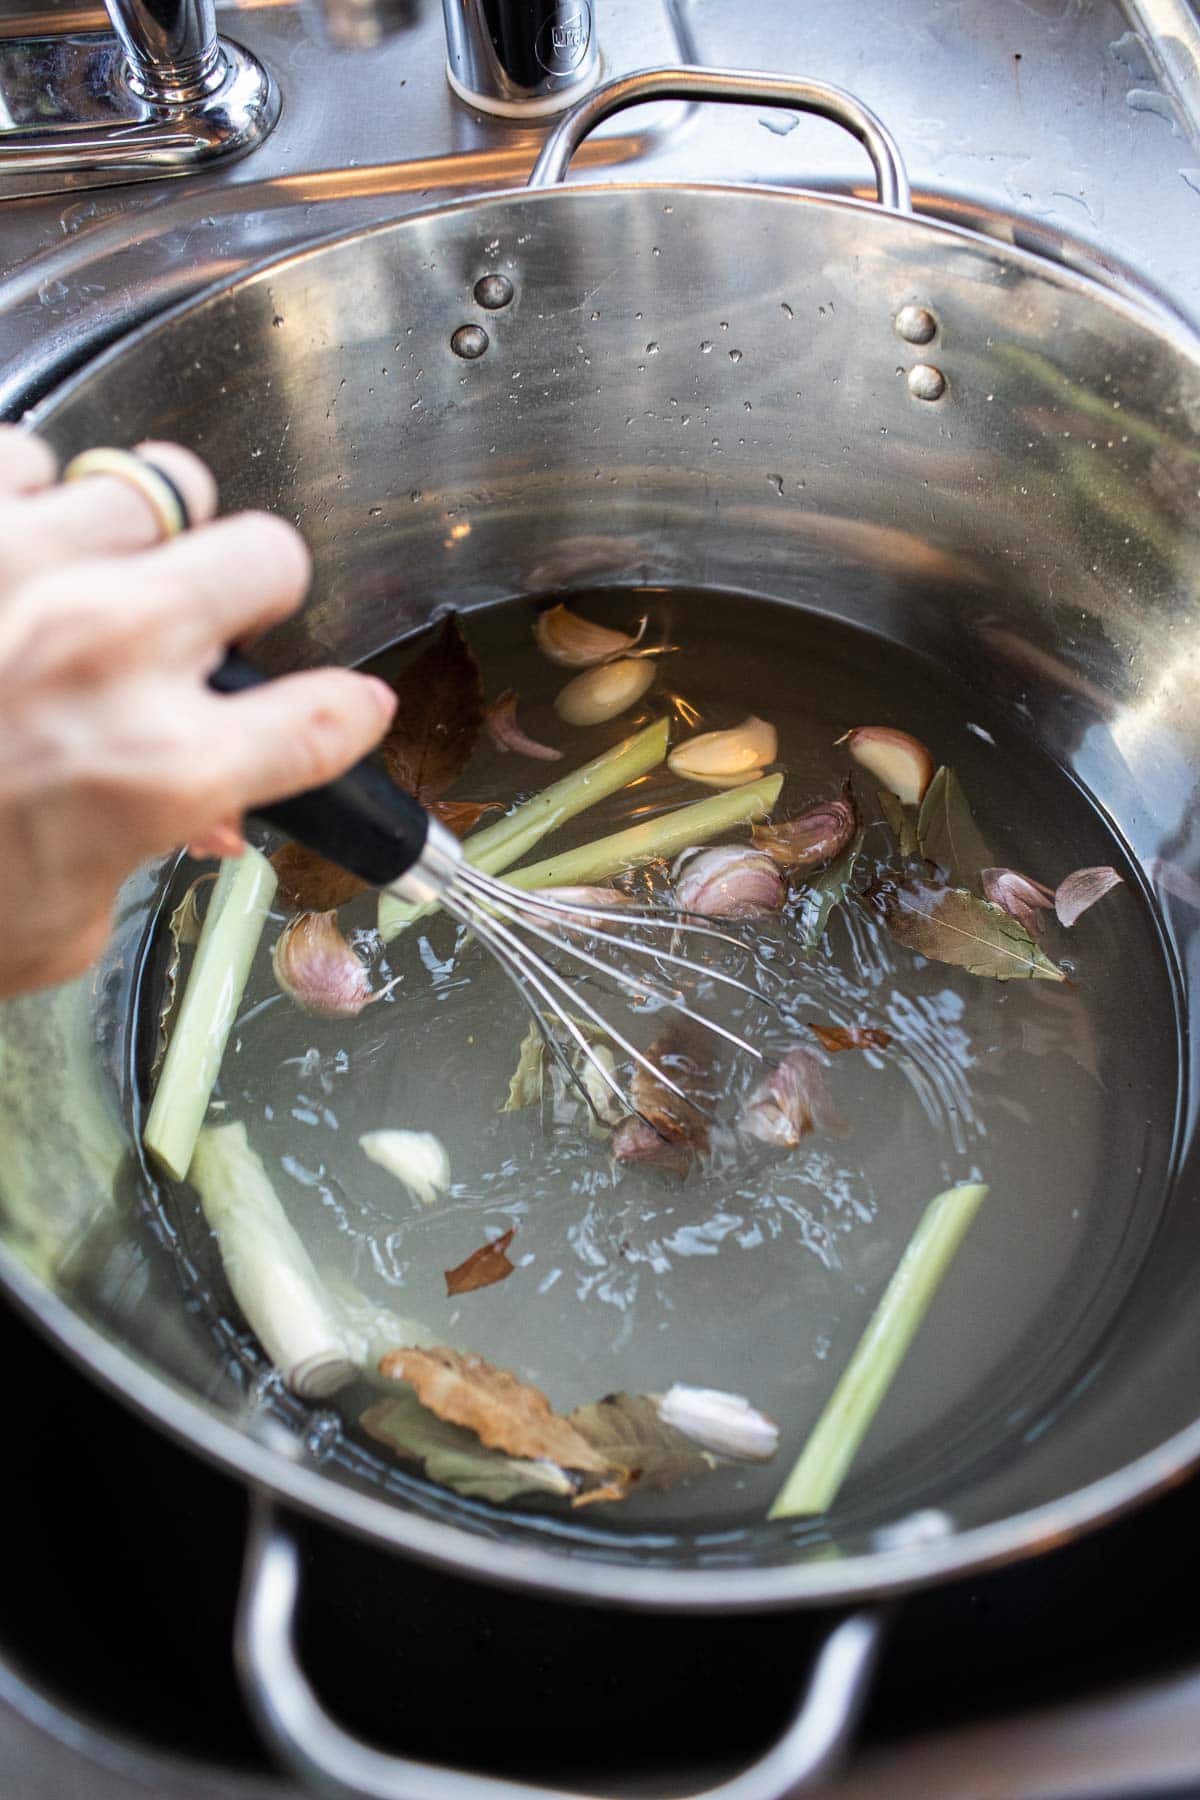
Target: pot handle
x,y
687,83
319,1752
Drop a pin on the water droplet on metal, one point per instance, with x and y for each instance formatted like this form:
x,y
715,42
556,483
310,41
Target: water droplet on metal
x,y
776,482
735,356
706,347
651,349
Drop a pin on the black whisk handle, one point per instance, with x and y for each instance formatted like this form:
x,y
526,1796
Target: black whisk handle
x,y
362,821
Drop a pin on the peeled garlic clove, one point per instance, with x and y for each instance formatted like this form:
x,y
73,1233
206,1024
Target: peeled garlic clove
x,y
576,643
1021,898
316,967
899,762
603,693
500,719
728,781
416,1158
813,837
726,1424
747,747
730,882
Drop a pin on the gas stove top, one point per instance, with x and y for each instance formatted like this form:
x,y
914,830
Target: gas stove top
x,y
1076,128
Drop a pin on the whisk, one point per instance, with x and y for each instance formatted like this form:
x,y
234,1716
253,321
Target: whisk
x,y
367,824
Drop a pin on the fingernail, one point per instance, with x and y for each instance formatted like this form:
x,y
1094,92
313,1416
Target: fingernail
x,y
385,697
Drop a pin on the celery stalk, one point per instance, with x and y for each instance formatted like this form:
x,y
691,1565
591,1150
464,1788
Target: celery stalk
x,y
228,939
498,846
653,838
834,1440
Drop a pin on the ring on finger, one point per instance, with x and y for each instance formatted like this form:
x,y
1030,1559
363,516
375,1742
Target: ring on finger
x,y
161,494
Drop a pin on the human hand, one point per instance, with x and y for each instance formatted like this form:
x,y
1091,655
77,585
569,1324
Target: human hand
x,y
112,748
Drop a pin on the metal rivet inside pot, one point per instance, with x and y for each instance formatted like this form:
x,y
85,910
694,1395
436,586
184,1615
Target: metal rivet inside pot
x,y
915,324
925,382
469,341
493,291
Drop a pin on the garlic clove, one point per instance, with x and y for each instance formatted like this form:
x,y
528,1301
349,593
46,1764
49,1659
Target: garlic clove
x,y
316,967
728,781
577,643
585,897
637,1142
604,693
416,1158
1018,895
791,1101
746,748
733,881
813,837
901,763
726,1424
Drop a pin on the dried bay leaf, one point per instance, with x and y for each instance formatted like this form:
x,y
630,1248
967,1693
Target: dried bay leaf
x,y
461,816
456,1459
850,1037
439,716
483,1268
504,1412
952,926
311,883
900,821
640,1448
825,891
947,833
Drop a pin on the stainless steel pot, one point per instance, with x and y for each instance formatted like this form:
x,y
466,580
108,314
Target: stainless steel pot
x,y
990,459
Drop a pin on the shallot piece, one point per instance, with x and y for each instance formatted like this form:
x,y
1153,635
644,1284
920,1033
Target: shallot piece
x,y
737,753
576,643
500,722
1019,896
316,967
898,762
1077,892
726,1424
604,693
813,837
791,1101
733,881
416,1158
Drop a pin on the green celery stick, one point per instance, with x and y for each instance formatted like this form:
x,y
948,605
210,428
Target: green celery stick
x,y
498,846
663,836
834,1440
228,939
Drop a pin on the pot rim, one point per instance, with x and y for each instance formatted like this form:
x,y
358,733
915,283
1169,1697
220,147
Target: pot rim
x,y
607,1579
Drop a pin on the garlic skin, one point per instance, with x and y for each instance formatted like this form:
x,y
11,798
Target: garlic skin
x,y
605,692
416,1158
576,643
733,881
813,837
899,762
726,1424
316,967
744,749
791,1101
500,722
1076,892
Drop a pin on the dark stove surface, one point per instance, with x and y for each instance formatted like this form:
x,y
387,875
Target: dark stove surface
x,y
121,1581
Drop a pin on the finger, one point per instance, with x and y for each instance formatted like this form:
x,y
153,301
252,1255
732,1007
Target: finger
x,y
299,732
26,462
181,603
99,515
225,839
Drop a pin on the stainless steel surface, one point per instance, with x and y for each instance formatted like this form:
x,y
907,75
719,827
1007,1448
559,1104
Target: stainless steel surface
x,y
162,96
320,1752
729,88
521,59
325,386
